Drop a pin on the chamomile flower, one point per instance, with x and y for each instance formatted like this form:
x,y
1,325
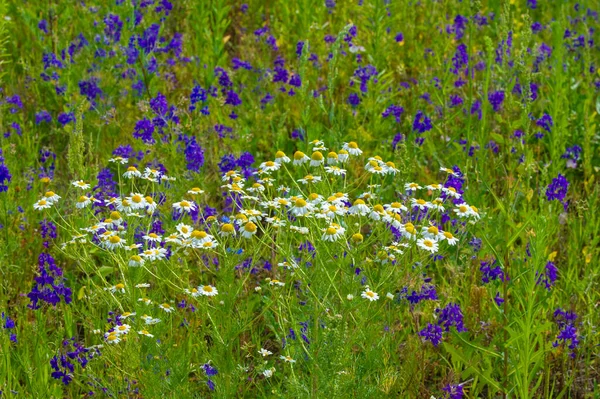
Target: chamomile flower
x,y
410,230
276,222
151,174
301,207
114,242
419,203
359,208
410,187
428,244
123,329
84,201
475,212
151,205
112,338
229,175
433,187
136,261
145,301
333,233
154,254
166,307
373,163
378,170
184,230
199,237
370,295
121,160
132,172
449,237
437,204
248,230
124,205
287,359
275,282
352,148
332,158
270,166
195,191
227,229
317,159
451,192
331,210
395,207
310,179
449,171
152,237
194,292
433,233
300,158
132,247
343,155
377,212
280,157
187,206
334,170
463,210
120,287
208,290
288,264
390,168
80,184
255,188
51,197
209,244
145,333
314,198
149,320
338,198
264,352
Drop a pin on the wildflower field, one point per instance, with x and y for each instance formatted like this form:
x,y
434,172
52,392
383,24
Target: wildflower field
x,y
299,199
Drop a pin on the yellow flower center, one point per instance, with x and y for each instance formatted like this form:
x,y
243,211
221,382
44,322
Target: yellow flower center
x,y
207,288
83,198
352,145
199,234
463,208
300,203
114,239
184,204
132,169
359,202
332,155
298,155
448,235
331,231
279,154
317,156
250,227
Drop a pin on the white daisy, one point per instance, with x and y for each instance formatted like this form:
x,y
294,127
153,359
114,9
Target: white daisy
x,y
280,157
352,148
184,205
300,158
80,184
370,295
208,290
428,244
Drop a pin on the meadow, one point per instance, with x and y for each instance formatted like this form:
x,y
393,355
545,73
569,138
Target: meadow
x,y
299,199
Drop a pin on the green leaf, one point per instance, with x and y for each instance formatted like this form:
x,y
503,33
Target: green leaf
x,y
105,270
